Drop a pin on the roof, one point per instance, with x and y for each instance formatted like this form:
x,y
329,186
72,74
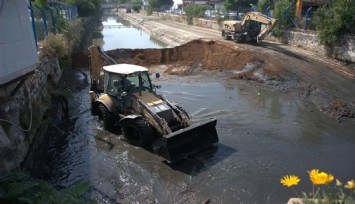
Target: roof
x,y
124,68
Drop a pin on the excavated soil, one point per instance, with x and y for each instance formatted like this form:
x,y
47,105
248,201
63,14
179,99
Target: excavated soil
x,y
197,56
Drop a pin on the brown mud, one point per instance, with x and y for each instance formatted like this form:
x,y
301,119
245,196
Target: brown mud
x,y
233,63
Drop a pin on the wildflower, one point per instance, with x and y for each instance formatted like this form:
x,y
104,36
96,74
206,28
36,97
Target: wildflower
x,y
290,180
320,178
338,183
350,184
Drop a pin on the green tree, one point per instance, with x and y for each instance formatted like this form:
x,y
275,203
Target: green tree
x,y
195,10
264,4
235,4
284,22
334,20
86,7
153,5
137,5
230,5
42,3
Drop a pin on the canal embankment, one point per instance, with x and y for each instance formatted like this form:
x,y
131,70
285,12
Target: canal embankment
x,y
263,134
343,50
25,105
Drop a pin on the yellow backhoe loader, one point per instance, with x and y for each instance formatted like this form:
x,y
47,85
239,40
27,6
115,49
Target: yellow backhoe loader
x,y
253,27
123,96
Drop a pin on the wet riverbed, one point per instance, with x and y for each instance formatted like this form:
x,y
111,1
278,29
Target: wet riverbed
x,y
263,136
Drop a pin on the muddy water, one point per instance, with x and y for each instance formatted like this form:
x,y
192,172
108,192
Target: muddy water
x,y
118,34
263,136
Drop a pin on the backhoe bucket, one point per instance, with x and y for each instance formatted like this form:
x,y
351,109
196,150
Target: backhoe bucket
x,y
187,141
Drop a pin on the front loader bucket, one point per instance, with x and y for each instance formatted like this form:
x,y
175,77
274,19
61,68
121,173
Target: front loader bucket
x,y
187,141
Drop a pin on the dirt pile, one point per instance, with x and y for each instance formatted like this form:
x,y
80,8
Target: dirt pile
x,y
197,56
201,55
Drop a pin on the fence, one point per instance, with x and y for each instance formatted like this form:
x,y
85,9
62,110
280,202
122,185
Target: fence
x,y
46,19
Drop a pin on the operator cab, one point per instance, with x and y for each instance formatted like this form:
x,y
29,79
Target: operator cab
x,y
123,79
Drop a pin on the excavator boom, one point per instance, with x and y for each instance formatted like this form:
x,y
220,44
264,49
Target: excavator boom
x,y
259,17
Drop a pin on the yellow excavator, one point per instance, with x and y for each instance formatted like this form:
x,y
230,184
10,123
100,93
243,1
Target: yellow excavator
x,y
122,96
254,27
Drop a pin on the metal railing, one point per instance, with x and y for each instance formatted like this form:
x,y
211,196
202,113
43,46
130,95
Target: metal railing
x,y
46,19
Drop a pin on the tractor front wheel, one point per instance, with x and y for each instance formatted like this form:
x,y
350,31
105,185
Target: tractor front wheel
x,y
137,132
226,36
106,117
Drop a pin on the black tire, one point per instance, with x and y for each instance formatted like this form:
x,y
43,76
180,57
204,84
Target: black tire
x,y
137,132
225,36
106,117
237,38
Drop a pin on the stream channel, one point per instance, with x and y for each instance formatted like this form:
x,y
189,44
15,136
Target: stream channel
x,y
263,136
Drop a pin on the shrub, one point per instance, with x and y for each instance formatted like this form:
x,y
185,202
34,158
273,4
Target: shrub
x,y
335,20
72,31
55,46
19,187
284,21
195,10
137,4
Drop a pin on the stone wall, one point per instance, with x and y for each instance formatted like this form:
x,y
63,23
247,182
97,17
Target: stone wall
x,y
22,114
345,49
201,22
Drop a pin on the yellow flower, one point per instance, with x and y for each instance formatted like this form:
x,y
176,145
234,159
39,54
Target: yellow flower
x,y
350,184
290,180
338,183
320,178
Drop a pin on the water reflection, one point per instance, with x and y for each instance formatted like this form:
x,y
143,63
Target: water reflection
x,y
118,33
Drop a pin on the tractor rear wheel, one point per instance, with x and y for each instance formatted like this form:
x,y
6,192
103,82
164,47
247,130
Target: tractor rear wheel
x,y
137,132
106,117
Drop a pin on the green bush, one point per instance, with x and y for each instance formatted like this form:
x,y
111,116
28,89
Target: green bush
x,y
19,187
152,6
195,10
86,7
284,22
72,31
55,46
335,20
137,5
264,4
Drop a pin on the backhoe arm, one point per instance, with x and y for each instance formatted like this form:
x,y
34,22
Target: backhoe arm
x,y
259,17
98,59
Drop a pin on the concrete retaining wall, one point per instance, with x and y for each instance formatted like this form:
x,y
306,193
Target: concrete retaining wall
x,y
345,49
24,111
211,24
